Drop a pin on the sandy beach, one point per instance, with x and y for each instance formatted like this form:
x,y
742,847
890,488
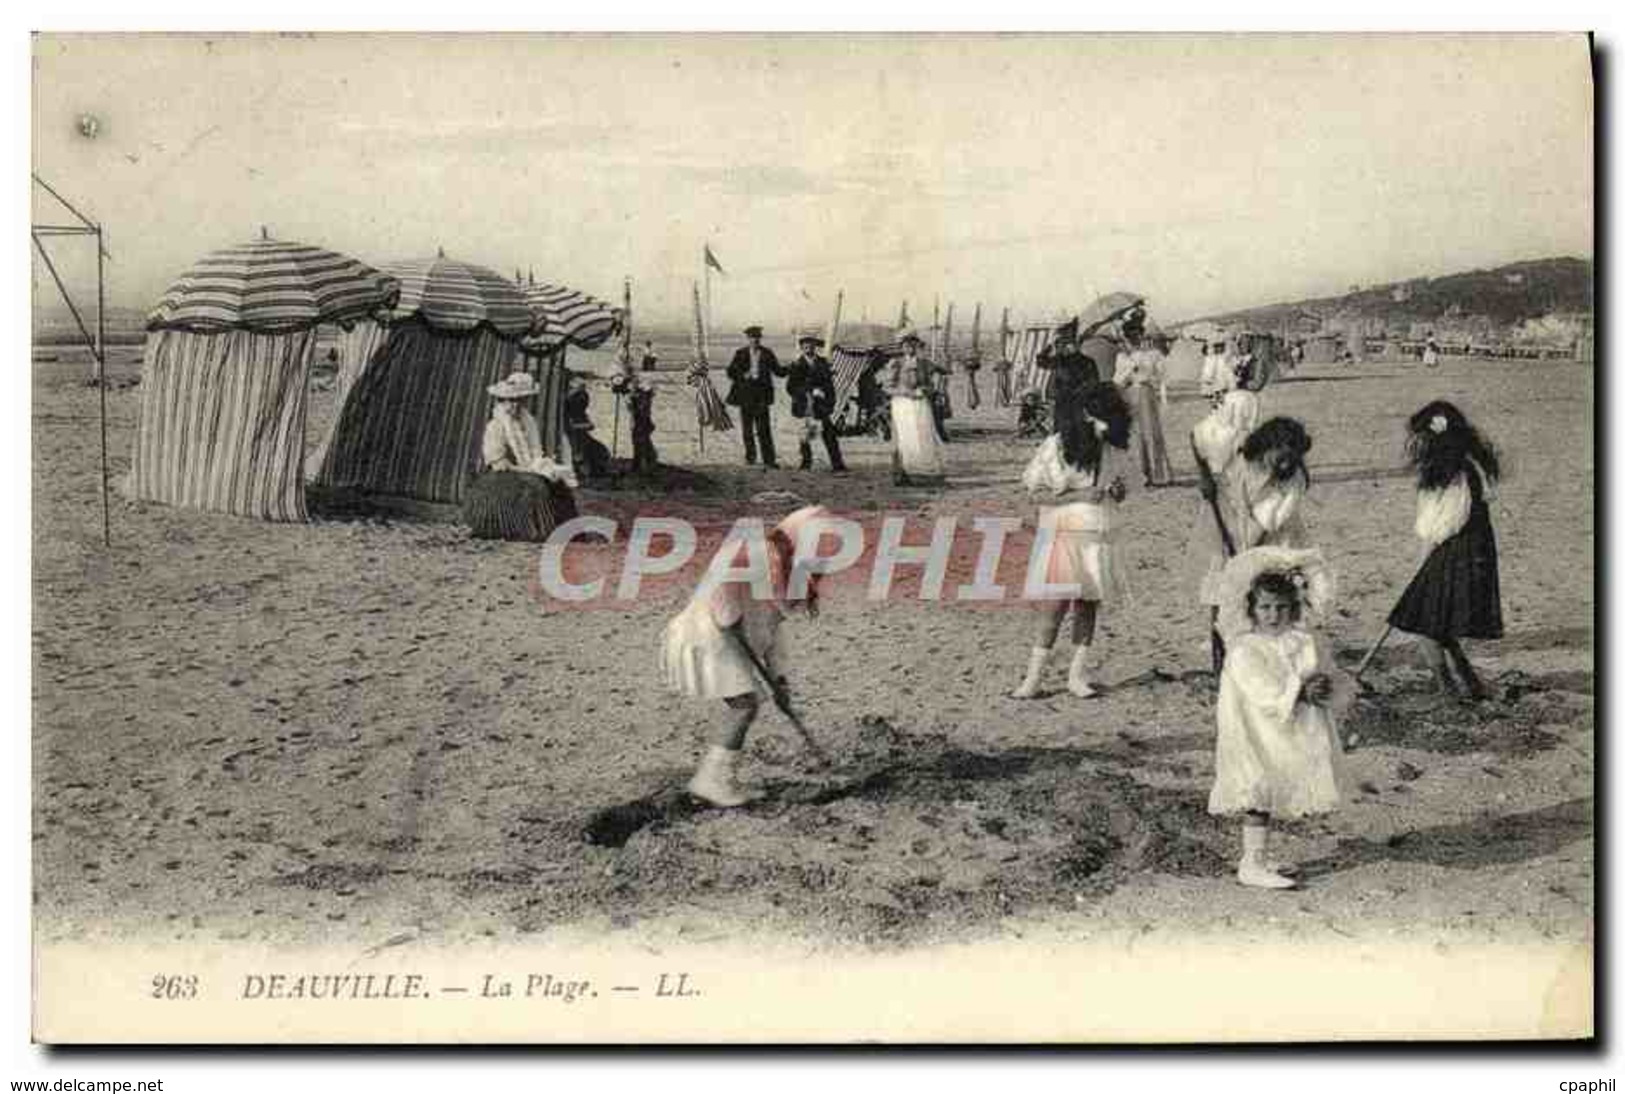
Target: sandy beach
x,y
366,731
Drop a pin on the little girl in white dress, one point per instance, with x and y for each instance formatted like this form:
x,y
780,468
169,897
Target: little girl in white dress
x,y
725,645
1278,752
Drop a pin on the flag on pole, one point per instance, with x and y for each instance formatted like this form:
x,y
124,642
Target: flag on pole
x,y
711,261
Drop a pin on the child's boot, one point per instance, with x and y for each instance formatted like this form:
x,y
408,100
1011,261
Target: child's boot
x,y
1077,678
1035,672
714,781
1473,686
1254,870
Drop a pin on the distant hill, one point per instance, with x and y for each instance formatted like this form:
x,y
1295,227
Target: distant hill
x,y
1486,302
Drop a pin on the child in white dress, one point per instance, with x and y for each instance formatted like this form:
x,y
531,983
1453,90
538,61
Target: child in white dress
x,y
1278,752
1071,470
724,645
1256,501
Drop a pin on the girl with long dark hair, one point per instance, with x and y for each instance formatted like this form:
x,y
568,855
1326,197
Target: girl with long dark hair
x,y
1071,470
1457,592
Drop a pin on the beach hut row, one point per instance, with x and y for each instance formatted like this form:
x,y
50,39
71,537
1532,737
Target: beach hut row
x,y
229,352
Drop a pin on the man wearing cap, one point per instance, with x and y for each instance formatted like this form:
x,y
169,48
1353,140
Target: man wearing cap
x,y
751,372
1075,372
811,386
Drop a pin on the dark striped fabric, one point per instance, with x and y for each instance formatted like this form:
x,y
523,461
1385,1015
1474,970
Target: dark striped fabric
x,y
411,425
847,364
271,286
1021,349
548,407
222,422
459,296
709,409
512,505
566,316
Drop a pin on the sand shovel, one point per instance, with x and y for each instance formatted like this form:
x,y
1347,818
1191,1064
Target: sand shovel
x,y
781,701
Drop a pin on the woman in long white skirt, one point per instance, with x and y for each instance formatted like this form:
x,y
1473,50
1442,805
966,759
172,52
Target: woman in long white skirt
x,y
725,645
1071,472
916,447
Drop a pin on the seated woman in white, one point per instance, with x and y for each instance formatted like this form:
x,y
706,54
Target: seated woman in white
x,y
524,493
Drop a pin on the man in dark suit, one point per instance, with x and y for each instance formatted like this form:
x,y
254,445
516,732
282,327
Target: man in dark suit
x,y
752,370
811,386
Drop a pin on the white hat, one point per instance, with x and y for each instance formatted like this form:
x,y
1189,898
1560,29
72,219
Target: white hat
x,y
792,524
1308,569
518,385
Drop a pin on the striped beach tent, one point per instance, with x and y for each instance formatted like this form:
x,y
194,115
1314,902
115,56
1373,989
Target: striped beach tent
x,y
1021,349
410,422
847,364
566,316
225,372
269,286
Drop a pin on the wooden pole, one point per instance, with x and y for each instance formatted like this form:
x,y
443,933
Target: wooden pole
x,y
101,377
1372,652
699,356
626,321
705,327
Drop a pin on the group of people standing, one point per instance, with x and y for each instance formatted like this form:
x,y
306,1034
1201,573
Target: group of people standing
x,y
810,383
1278,749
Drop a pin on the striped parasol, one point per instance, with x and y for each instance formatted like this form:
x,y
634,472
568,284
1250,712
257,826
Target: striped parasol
x,y
271,286
569,316
456,296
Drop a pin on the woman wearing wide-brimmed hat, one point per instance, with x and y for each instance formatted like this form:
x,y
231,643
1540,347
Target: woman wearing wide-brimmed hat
x,y
916,447
524,492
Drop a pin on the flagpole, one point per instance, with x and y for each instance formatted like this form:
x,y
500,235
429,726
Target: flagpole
x,y
710,320
835,320
700,354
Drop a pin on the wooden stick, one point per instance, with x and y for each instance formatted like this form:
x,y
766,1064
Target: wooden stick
x,y
780,701
101,379
1372,652
1206,474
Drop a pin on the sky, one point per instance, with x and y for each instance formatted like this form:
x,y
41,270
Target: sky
x,y
1025,171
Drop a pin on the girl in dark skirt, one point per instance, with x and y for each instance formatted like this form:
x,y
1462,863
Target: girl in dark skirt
x,y
1457,592
524,493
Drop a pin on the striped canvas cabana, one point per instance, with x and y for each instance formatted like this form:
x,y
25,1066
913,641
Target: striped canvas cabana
x,y
410,423
1021,349
224,375
847,364
223,422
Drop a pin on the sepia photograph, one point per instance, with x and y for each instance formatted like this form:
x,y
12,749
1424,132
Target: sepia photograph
x,y
821,538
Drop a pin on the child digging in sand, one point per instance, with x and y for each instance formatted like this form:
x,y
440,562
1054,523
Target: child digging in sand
x,y
724,646
1278,751
1457,592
